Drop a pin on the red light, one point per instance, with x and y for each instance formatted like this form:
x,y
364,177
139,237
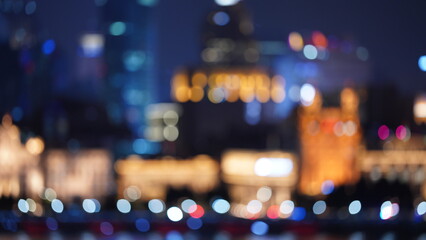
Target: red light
x,y
319,39
273,212
196,211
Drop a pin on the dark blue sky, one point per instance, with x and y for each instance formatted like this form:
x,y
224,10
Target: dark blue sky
x,y
394,32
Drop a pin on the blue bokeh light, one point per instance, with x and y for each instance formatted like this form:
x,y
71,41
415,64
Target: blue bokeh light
x,y
48,47
52,224
259,228
298,214
422,63
221,18
142,225
194,223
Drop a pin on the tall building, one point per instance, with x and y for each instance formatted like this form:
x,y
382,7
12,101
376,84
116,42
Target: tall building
x,y
329,142
230,91
130,84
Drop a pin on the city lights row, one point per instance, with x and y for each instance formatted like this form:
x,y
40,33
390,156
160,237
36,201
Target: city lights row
x,y
286,210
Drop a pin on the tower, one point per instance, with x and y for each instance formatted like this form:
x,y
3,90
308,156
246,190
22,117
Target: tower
x,y
329,140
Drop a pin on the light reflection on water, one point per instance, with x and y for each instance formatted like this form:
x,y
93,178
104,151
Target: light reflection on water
x,y
193,235
174,235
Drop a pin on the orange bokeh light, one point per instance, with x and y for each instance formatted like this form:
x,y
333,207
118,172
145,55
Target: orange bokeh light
x,y
319,39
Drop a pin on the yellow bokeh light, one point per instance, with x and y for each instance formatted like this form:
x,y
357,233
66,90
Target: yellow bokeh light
x,y
232,82
180,79
182,94
212,80
228,85
247,95
199,79
35,145
278,90
196,94
295,41
262,95
277,94
262,81
248,82
232,96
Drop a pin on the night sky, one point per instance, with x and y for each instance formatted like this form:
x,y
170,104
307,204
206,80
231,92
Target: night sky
x,y
392,31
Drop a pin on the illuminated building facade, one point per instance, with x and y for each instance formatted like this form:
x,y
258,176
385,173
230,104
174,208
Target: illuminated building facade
x,y
230,72
329,141
400,159
20,174
85,174
227,101
153,177
267,177
232,85
419,109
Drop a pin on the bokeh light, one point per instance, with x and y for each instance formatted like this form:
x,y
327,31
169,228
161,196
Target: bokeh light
x,y
174,214
57,205
123,206
35,145
221,18
226,2
295,41
156,206
142,225
264,194
30,7
132,193
89,205
383,132
221,206
354,207
307,94
254,206
196,211
319,207
273,167
327,187
106,228
298,214
194,223
273,212
49,194
117,28
319,39
388,210
259,228
23,206
287,207
51,224
48,47
422,63
187,204
421,208
310,52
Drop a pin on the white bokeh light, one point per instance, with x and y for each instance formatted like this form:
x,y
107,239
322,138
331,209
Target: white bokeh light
x,y
174,214
124,206
354,207
57,205
307,94
273,167
156,206
226,2
221,206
